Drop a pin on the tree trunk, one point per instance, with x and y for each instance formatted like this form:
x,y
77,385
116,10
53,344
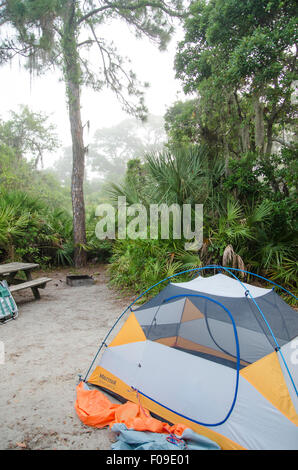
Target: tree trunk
x,y
77,180
73,80
226,155
269,138
243,127
244,138
259,123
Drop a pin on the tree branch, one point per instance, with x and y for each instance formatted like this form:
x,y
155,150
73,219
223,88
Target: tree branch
x,y
11,48
88,41
93,13
113,80
133,7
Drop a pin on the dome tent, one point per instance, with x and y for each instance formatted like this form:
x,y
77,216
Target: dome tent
x,y
215,354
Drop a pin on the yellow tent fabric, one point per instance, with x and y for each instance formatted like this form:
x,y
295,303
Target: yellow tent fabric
x,y
267,377
131,332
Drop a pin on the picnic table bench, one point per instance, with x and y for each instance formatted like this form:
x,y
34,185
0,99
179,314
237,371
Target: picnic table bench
x,y
10,270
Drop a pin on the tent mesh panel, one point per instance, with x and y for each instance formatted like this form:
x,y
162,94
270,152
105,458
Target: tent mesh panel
x,y
194,323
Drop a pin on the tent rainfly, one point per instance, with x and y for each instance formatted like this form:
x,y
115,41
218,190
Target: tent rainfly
x,y
214,354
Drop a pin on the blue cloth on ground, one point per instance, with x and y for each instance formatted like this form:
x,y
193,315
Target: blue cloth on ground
x,y
129,439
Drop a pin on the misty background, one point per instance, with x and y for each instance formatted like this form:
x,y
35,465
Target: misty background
x,y
111,135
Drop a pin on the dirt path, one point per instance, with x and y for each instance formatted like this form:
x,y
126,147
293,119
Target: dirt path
x,y
53,340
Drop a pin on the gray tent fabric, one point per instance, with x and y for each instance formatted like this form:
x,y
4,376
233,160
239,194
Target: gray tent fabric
x,y
224,285
169,312
161,317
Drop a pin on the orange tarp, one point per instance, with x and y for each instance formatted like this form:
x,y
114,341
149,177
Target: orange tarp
x,y
95,409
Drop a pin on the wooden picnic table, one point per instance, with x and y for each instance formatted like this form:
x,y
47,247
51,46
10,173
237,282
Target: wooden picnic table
x,y
9,272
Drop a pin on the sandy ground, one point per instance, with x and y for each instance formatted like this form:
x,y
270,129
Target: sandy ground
x,y
52,341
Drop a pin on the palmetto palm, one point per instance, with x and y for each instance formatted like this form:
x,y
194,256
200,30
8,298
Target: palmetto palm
x,y
12,227
181,175
231,227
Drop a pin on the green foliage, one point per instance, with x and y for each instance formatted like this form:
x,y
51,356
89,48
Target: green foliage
x,y
184,174
24,139
34,221
240,40
28,134
138,264
242,180
240,57
286,273
97,250
31,231
231,227
195,121
182,122
279,171
181,175
246,223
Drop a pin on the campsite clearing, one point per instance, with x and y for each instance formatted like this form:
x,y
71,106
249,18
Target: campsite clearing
x,y
46,348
